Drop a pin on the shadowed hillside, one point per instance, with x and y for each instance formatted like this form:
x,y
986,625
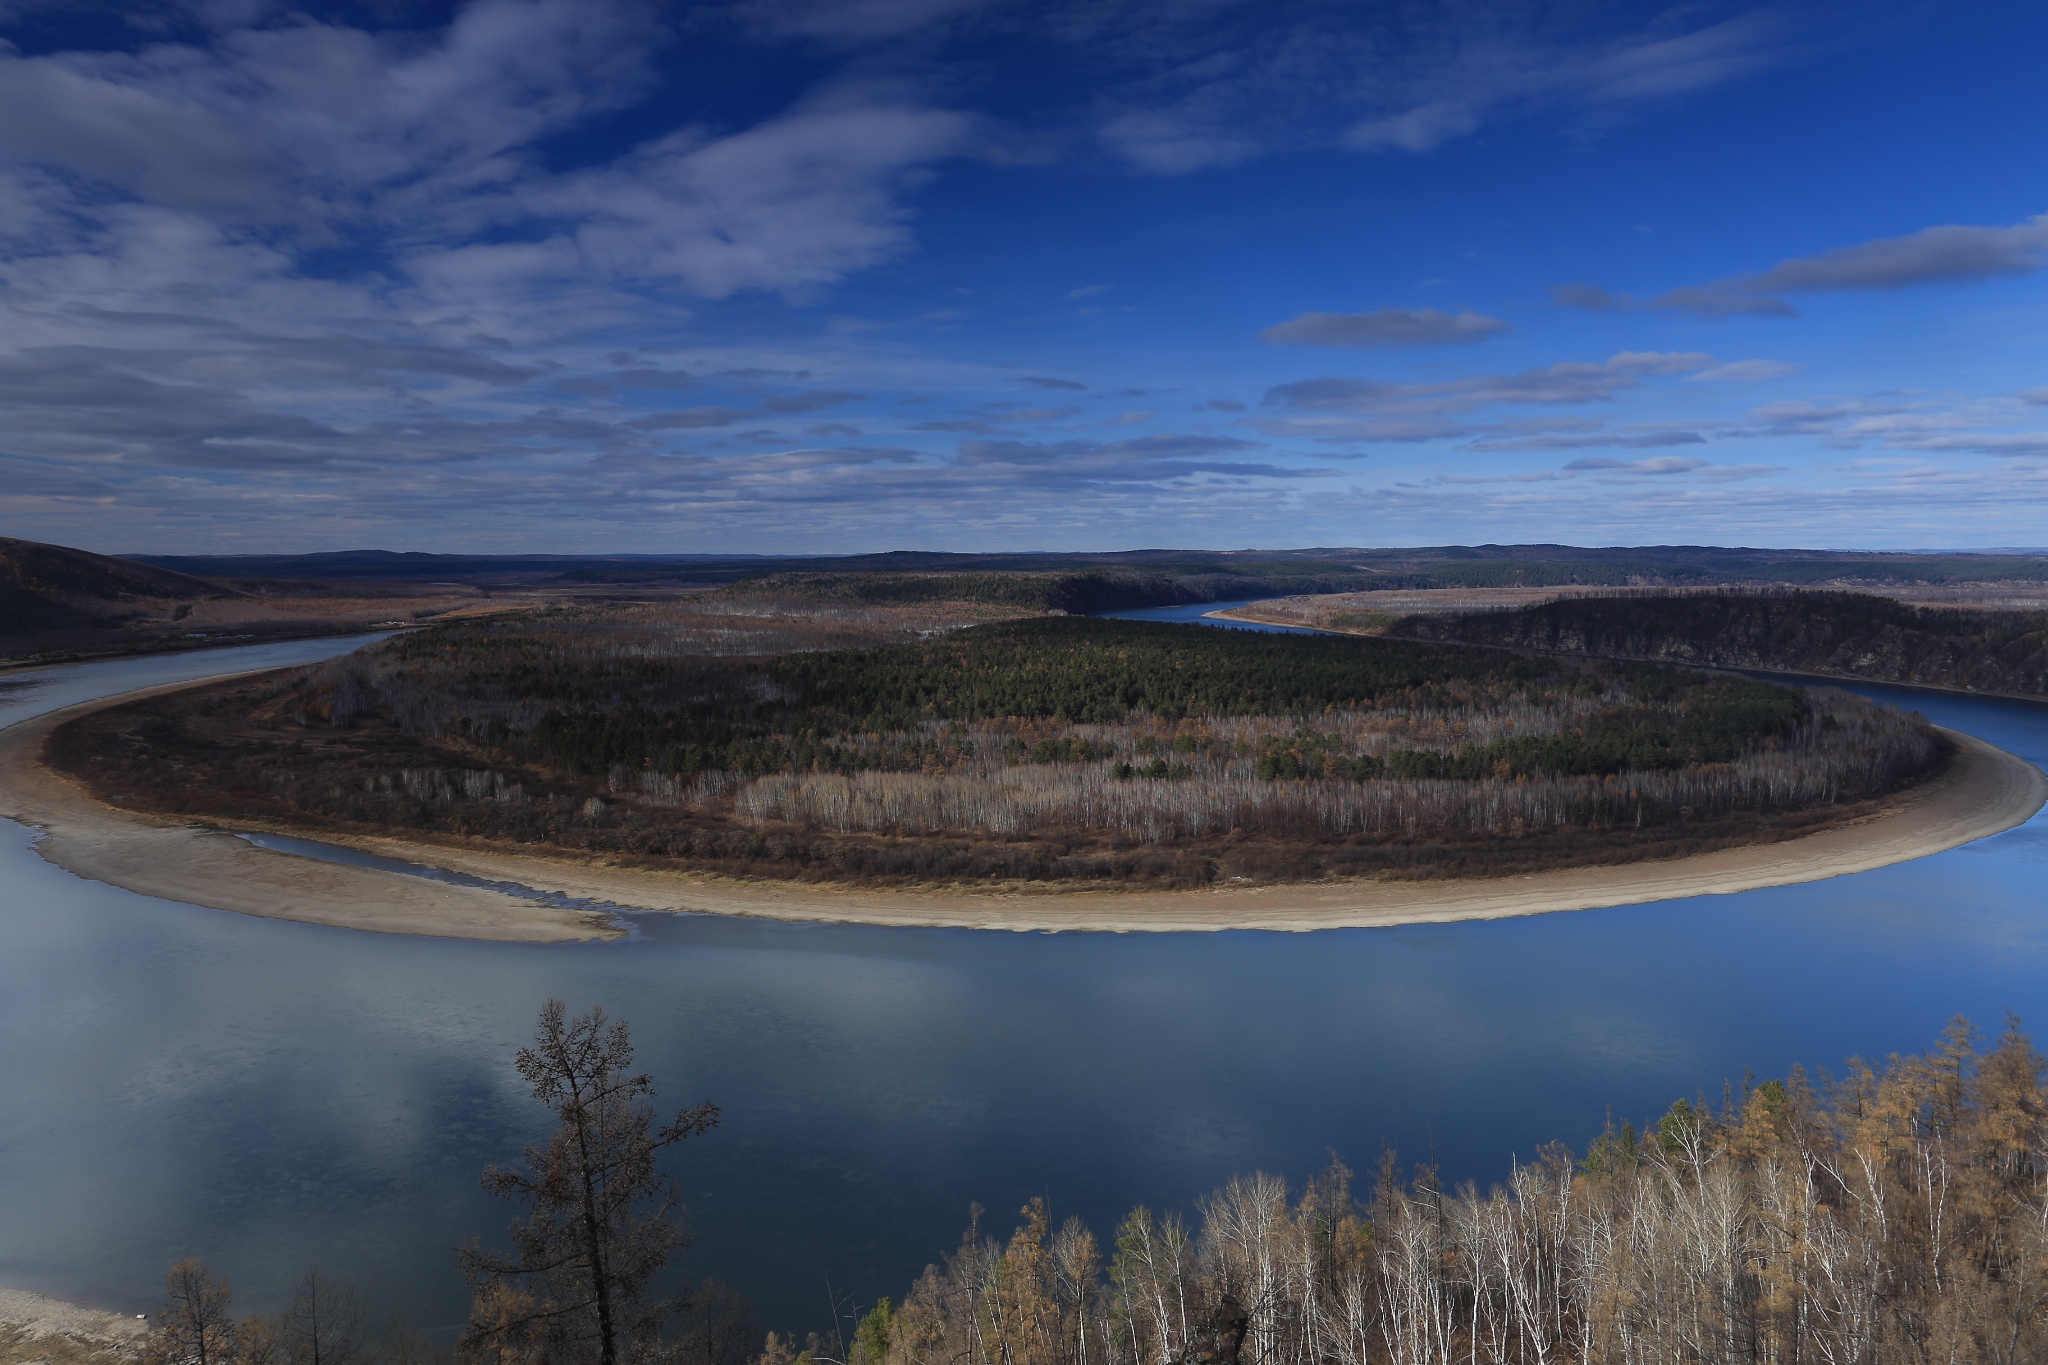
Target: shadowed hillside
x,y
1836,633
50,587
59,605
1256,572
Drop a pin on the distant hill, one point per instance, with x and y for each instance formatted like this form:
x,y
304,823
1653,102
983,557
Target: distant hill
x,y
59,605
1840,634
52,588
1264,571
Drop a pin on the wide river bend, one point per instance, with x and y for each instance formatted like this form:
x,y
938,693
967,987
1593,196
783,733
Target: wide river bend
x,y
270,1094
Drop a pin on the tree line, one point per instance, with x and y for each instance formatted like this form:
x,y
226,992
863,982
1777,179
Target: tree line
x,y
1841,634
582,1284
1042,749
1895,1215
579,708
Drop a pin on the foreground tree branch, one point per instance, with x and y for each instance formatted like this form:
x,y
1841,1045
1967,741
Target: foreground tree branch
x,y
599,1218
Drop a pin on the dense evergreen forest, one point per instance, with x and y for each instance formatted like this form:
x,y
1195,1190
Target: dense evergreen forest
x,y
900,741
1837,633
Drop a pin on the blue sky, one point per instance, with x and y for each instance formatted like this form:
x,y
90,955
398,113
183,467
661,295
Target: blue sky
x,y
791,276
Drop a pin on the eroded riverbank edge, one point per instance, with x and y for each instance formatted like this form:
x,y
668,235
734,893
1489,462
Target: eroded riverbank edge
x,y
180,861
1984,791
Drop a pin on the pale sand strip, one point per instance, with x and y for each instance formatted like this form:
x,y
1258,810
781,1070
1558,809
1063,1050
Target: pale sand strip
x,y
174,860
36,1329
1985,791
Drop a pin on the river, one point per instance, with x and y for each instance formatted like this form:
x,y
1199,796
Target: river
x,y
271,1095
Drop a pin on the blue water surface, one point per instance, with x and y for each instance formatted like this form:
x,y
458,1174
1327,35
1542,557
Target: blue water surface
x,y
1200,614
270,1095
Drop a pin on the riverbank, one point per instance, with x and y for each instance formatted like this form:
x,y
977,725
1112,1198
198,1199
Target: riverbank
x,y
178,861
1984,792
36,1329
1251,615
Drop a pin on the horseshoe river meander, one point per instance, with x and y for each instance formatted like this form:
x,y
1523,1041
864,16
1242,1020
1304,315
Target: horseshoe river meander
x,y
270,1095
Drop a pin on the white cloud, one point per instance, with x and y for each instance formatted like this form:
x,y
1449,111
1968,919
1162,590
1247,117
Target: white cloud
x,y
1565,382
1165,142
1660,464
1936,255
1387,328
1590,436
424,149
801,200
1491,74
1746,372
1925,424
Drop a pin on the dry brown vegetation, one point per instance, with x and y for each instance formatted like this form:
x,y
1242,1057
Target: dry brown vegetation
x,y
37,1330
1217,775
763,734
59,605
1373,612
1897,1216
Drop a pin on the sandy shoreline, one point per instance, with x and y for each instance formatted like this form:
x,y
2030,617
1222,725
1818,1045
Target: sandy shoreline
x,y
36,1329
178,861
1985,791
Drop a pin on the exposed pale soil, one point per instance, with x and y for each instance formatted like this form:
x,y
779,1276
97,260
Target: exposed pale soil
x,y
1984,791
38,1330
1328,611
178,861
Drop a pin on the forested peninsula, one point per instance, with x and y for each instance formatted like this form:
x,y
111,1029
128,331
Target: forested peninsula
x,y
919,742
1838,634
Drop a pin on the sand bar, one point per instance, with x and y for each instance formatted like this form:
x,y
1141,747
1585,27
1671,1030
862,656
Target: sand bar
x,y
1985,791
179,861
36,1329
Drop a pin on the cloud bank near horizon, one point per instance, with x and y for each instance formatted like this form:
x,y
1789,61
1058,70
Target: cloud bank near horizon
x,y
595,272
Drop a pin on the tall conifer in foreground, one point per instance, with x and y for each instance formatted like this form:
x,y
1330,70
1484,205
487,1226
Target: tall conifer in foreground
x,y
599,1218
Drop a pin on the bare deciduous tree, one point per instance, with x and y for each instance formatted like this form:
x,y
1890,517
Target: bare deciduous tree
x,y
599,1218
324,1323
1896,1217
194,1326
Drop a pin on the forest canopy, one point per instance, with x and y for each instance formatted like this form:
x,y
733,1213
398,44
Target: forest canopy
x,y
926,741
1842,634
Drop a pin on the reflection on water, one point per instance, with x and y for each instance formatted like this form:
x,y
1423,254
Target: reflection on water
x,y
268,1094
1199,614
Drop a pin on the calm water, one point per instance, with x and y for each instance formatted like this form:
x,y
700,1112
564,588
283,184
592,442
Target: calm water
x,y
1198,614
270,1094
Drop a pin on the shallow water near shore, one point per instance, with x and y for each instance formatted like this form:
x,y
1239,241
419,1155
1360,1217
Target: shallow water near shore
x,y
270,1095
